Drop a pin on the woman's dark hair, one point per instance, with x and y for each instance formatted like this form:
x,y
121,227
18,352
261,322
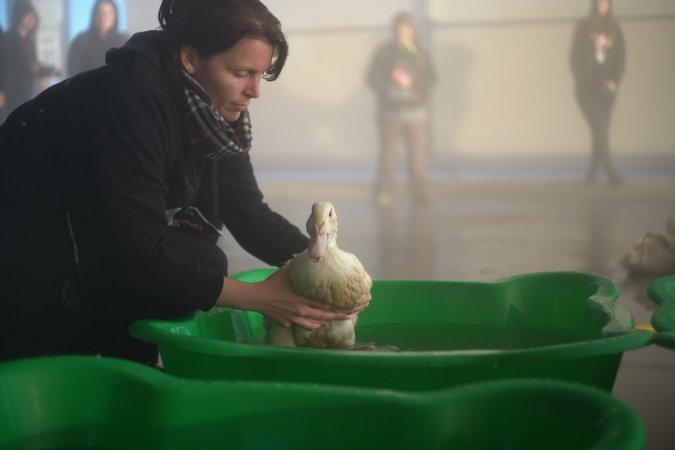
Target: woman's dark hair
x,y
602,24
20,10
213,26
92,21
403,18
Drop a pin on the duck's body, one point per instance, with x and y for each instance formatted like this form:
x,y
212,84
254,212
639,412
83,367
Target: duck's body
x,y
654,253
329,275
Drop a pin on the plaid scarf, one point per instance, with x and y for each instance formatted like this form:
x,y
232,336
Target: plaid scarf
x,y
208,132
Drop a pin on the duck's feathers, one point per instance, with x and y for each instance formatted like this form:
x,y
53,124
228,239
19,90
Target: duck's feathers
x,y
331,334
653,253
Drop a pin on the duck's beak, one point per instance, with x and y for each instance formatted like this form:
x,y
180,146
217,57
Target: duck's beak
x,y
318,242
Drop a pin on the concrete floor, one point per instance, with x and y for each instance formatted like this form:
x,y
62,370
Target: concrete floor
x,y
484,230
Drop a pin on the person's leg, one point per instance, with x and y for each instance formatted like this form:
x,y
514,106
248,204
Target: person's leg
x,y
587,105
194,248
48,307
182,244
388,160
418,156
605,105
38,315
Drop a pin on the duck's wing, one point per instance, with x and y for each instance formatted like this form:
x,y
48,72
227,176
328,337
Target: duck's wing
x,y
351,283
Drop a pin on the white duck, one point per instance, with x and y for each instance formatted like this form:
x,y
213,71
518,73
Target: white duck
x,y
653,253
327,274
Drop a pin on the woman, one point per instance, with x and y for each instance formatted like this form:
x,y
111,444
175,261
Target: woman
x,y
93,169
23,67
401,75
597,60
88,48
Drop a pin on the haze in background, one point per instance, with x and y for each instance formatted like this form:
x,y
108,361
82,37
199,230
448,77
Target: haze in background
x,y
504,104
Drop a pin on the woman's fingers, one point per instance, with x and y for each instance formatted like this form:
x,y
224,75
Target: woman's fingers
x,y
290,308
308,324
318,311
303,313
358,309
280,319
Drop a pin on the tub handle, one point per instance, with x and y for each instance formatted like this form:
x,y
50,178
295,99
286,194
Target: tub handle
x,y
645,326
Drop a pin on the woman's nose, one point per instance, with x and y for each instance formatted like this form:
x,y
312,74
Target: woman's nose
x,y
253,87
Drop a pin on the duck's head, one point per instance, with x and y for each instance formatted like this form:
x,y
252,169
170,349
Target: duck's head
x,y
322,228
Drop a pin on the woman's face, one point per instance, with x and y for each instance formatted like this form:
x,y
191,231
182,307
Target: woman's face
x,y
602,6
405,33
104,17
28,22
231,78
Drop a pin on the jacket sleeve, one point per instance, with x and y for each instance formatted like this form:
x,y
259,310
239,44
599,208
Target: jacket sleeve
x,y
256,227
428,76
579,53
377,75
618,60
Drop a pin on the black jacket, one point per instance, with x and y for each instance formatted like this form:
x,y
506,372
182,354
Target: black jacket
x,y
588,73
108,147
391,55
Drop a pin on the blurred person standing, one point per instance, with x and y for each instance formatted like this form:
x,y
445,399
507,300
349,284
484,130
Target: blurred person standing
x,y
401,74
597,60
87,51
23,67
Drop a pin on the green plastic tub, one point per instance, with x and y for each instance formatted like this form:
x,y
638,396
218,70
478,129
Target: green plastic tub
x,y
662,292
88,402
422,335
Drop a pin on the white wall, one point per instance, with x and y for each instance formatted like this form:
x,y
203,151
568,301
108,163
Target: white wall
x,y
142,14
505,96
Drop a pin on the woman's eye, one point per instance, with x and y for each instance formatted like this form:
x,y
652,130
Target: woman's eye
x,y
240,73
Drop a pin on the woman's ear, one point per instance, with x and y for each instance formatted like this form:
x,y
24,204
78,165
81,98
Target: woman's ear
x,y
188,58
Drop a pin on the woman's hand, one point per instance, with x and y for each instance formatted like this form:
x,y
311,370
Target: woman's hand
x,y
402,79
274,297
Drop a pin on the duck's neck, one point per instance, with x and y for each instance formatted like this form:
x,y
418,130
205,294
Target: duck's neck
x,y
332,241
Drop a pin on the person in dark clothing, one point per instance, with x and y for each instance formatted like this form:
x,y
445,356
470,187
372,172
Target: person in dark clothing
x,y
597,59
87,51
401,74
23,67
93,170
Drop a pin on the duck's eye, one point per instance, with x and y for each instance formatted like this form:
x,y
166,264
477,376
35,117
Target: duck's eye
x,y
330,213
